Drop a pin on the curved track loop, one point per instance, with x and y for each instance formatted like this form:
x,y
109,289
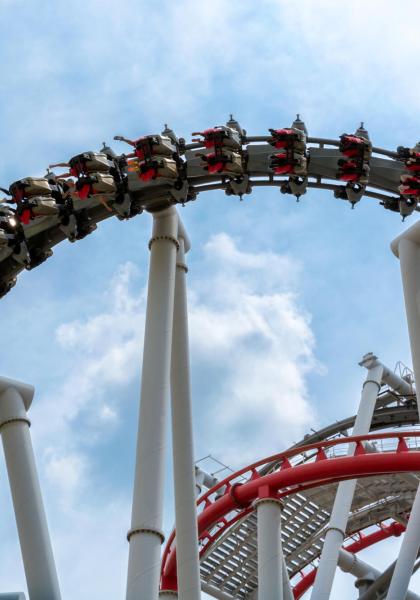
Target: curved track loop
x,y
299,469
365,541
322,155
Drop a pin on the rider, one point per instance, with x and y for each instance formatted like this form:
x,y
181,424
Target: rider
x,y
155,156
357,150
226,145
291,160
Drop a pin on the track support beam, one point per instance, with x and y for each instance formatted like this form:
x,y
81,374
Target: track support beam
x,y
336,531
145,536
270,552
188,562
407,248
34,538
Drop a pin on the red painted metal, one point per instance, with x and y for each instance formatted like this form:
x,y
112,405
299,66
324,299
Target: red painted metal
x,y
290,479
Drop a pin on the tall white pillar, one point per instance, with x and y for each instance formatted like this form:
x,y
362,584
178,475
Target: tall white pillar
x,y
336,530
287,588
187,554
270,552
407,248
34,538
145,535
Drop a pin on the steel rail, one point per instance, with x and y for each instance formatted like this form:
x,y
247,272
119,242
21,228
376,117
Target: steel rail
x,y
290,479
159,197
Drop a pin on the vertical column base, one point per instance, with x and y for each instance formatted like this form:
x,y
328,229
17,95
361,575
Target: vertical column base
x,y
270,553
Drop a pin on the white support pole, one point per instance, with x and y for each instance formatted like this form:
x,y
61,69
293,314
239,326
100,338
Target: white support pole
x,y
336,530
270,552
407,248
34,538
287,588
145,535
350,563
187,554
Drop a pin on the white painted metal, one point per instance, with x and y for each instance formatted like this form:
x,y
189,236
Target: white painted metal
x,y
407,555
270,553
188,562
287,588
395,382
407,247
203,479
342,504
147,513
350,563
214,592
34,538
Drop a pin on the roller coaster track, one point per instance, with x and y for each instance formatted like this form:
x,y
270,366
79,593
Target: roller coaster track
x,y
385,170
230,533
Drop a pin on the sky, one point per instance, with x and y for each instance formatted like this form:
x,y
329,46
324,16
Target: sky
x,y
284,297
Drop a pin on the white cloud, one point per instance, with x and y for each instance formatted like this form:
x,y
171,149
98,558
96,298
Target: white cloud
x,y
247,322
66,473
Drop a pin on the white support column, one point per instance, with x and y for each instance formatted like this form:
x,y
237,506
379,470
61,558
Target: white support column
x,y
287,588
350,563
187,554
407,248
34,538
336,530
270,552
407,555
145,535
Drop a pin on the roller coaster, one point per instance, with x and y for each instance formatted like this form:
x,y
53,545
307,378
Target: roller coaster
x,y
162,170
283,525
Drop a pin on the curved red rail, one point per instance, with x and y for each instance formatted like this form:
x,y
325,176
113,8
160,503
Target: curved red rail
x,y
289,479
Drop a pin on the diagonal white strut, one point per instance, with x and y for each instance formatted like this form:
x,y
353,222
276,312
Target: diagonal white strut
x,y
145,535
407,248
34,538
336,531
187,553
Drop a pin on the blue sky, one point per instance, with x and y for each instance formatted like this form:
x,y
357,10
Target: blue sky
x,y
285,298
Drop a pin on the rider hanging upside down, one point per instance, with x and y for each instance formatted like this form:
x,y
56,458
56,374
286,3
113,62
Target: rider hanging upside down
x,y
224,162
288,163
219,137
411,157
289,138
355,147
146,147
33,198
354,168
410,185
150,170
353,171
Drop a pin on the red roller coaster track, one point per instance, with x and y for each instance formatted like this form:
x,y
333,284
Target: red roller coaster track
x,y
321,467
